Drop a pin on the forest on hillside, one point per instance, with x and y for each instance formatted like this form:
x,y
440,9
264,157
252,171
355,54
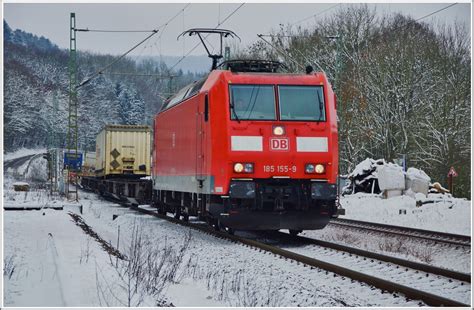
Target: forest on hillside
x,y
403,86
36,92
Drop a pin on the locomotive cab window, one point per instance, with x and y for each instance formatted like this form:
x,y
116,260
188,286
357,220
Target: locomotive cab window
x,y
252,102
302,103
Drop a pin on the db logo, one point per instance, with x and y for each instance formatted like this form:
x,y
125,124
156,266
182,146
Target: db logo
x,y
279,144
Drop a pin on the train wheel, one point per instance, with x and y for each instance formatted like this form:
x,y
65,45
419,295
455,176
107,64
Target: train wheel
x,y
177,213
295,232
216,224
161,207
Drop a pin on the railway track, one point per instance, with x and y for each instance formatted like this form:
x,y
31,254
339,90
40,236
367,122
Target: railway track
x,y
409,290
428,235
17,162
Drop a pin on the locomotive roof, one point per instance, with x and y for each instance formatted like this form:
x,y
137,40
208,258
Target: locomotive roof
x,y
196,86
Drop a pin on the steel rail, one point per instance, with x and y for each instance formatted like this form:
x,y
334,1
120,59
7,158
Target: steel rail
x,y
462,240
385,258
384,285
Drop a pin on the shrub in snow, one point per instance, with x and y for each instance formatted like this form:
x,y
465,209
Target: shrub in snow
x,y
145,272
9,266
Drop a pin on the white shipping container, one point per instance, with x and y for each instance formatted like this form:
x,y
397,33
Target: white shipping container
x,y
123,150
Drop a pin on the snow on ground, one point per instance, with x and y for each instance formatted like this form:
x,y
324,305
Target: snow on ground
x,y
445,214
235,275
51,261
62,266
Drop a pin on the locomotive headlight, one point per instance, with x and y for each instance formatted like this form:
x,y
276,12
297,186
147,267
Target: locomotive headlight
x,y
309,168
248,168
314,168
278,130
238,167
319,169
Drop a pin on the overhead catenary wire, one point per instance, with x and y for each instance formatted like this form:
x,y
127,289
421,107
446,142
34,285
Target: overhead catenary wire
x,y
115,30
281,52
425,16
100,30
162,29
158,76
393,30
315,15
101,71
261,36
219,24
87,80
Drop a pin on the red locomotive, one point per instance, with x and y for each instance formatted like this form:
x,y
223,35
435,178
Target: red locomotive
x,y
248,148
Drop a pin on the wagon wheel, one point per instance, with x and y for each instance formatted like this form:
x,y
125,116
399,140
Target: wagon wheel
x,y
177,213
221,227
295,232
230,231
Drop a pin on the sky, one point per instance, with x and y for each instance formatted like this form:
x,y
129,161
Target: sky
x,y
51,20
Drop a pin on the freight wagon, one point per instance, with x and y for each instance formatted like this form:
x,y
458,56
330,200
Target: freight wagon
x,y
122,158
123,150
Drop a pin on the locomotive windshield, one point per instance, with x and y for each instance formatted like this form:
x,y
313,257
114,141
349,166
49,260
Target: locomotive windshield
x,y
252,102
301,103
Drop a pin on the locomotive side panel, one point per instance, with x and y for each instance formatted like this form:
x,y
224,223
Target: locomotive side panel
x,y
179,149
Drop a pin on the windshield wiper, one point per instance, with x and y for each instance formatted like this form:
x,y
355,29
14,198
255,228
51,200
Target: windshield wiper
x,y
321,106
235,114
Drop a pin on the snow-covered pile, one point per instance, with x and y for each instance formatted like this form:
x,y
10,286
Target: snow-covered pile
x,y
364,177
378,176
391,179
435,212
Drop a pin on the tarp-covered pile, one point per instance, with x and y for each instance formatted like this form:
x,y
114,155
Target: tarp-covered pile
x,y
378,176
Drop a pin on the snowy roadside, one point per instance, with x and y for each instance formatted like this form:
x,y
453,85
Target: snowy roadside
x,y
445,214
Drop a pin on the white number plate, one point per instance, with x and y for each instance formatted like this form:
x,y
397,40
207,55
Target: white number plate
x,y
279,168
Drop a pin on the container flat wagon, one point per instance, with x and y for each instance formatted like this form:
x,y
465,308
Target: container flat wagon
x,y
122,161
